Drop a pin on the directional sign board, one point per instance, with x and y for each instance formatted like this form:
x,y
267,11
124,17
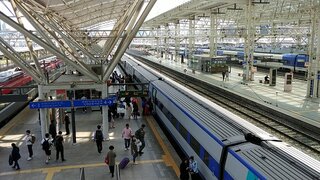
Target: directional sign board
x,y
49,104
93,102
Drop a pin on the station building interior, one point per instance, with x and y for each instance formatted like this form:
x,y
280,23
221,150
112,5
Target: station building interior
x,y
232,87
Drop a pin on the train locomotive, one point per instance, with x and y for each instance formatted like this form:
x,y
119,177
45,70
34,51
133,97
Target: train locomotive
x,y
224,145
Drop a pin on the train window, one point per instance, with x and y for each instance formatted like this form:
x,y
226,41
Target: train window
x,y
206,158
195,145
183,132
174,122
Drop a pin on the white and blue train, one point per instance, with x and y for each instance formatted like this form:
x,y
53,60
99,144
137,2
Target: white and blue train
x,y
225,145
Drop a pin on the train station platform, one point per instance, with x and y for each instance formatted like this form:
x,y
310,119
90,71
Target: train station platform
x,y
159,160
292,103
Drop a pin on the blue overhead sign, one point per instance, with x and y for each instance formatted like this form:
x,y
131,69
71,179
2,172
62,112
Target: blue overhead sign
x,y
49,104
93,102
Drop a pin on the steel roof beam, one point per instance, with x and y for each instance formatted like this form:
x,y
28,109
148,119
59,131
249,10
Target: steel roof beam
x,y
126,41
123,22
8,51
28,41
53,50
65,37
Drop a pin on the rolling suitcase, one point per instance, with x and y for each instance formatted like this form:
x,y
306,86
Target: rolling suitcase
x,y
124,162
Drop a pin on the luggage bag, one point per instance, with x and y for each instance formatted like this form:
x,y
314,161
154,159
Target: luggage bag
x,y
124,162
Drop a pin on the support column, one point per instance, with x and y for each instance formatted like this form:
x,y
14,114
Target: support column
x,y
177,40
166,42
43,117
249,43
213,35
316,87
191,37
313,58
105,123
158,41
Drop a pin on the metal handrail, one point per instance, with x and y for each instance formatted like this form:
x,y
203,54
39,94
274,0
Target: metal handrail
x,y
82,175
118,177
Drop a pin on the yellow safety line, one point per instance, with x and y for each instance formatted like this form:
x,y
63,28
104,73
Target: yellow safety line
x,y
167,158
52,170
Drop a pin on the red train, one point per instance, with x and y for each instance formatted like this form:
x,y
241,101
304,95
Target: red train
x,y
16,77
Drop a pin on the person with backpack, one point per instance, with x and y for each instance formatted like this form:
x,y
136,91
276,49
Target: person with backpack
x,y
15,155
46,146
139,134
29,142
126,135
98,137
59,146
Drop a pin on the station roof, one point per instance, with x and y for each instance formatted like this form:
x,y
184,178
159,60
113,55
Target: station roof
x,y
265,11
83,13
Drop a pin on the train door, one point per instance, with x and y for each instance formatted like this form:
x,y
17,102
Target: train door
x,y
154,98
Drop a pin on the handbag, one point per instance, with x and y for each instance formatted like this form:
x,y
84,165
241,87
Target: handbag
x,y
138,143
106,160
10,160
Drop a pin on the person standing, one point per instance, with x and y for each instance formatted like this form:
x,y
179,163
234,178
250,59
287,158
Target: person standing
x,y
134,149
46,146
53,130
126,135
111,155
67,123
59,146
29,144
98,137
84,109
140,133
184,169
135,110
128,110
193,167
15,154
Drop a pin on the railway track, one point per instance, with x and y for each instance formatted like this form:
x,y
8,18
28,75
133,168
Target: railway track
x,y
280,126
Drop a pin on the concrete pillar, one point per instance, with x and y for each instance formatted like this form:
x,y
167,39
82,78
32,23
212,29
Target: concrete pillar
x,y
43,116
177,41
105,123
313,64
166,42
191,36
158,41
213,35
249,42
316,71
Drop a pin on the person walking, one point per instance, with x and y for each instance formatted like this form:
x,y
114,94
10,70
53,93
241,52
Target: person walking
x,y
111,156
126,135
140,133
184,169
67,123
193,168
15,155
53,130
134,150
29,144
98,137
46,146
59,146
